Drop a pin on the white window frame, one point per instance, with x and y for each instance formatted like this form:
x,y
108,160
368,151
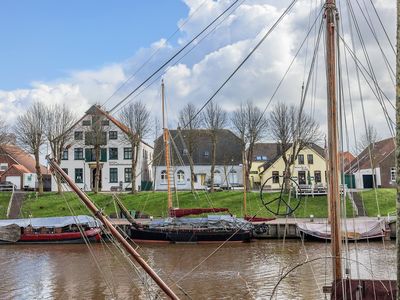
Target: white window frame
x,y
393,174
180,177
163,176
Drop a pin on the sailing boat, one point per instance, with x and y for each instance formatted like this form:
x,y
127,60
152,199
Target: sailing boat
x,y
343,288
175,228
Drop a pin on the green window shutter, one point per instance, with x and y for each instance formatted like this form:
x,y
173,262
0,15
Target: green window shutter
x,y
88,155
103,154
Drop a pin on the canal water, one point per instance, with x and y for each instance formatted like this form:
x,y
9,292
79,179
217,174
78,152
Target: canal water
x,y
236,271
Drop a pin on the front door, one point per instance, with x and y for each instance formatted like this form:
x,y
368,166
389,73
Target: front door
x,y
93,181
302,177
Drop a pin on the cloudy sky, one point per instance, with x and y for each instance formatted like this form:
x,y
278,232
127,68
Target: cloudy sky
x,y
81,53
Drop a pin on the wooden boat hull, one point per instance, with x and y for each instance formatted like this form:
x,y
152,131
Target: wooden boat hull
x,y
92,235
189,236
364,289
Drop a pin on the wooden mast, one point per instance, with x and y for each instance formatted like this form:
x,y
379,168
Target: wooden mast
x,y
166,145
333,164
244,183
398,148
114,231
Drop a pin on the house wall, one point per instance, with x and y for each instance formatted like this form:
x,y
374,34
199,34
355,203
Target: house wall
x,y
359,177
254,175
319,164
12,172
225,176
385,167
5,162
121,164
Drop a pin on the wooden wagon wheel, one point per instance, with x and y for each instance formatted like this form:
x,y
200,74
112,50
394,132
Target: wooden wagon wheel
x,y
286,204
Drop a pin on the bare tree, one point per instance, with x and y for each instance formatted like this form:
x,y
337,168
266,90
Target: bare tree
x,y
191,122
137,118
215,119
4,134
294,130
29,130
251,125
368,139
58,119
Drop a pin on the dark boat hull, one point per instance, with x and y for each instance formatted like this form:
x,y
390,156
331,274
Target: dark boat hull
x,y
189,236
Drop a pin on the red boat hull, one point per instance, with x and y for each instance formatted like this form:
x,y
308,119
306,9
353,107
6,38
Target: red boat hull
x,y
93,234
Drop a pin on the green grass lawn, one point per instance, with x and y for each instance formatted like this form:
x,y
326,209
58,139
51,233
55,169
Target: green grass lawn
x,y
384,198
4,200
155,203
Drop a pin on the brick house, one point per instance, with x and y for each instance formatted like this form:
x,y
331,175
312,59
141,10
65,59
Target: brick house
x,y
381,171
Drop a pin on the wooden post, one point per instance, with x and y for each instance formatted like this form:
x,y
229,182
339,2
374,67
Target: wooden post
x,y
166,143
398,148
99,214
333,167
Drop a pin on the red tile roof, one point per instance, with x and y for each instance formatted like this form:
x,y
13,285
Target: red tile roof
x,y
21,157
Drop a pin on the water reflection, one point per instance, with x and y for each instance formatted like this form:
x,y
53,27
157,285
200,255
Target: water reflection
x,y
237,271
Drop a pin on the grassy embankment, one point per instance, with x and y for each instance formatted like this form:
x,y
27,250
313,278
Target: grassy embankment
x,y
155,203
4,200
384,198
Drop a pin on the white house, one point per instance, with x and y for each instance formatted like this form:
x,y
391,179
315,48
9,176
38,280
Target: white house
x,y
79,162
228,169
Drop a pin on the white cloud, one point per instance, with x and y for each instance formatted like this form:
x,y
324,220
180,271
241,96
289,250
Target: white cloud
x,y
199,74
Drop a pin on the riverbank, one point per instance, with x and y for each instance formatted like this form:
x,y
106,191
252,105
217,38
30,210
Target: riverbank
x,y
155,203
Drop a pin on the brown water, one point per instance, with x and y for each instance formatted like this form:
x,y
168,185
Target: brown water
x,y
236,271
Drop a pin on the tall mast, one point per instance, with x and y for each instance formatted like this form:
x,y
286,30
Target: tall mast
x,y
166,145
331,17
397,147
244,182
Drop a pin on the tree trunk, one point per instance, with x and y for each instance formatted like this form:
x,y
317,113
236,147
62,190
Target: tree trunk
x,y
287,178
135,155
213,159
57,156
38,172
97,170
191,161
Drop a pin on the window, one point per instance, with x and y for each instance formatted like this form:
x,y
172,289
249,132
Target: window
x,y
105,123
310,159
301,177
128,174
78,153
65,170
393,174
64,155
145,154
275,176
113,153
185,152
78,135
317,176
300,159
78,175
264,157
258,158
206,154
164,177
86,123
113,175
180,176
3,166
253,172
113,135
127,153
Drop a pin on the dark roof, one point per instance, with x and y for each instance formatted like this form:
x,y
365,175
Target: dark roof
x,y
21,157
228,150
268,150
379,151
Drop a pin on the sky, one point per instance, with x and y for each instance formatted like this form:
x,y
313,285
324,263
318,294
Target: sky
x,y
81,52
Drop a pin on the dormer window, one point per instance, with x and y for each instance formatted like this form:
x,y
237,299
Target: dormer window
x,y
3,166
64,155
206,154
86,123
